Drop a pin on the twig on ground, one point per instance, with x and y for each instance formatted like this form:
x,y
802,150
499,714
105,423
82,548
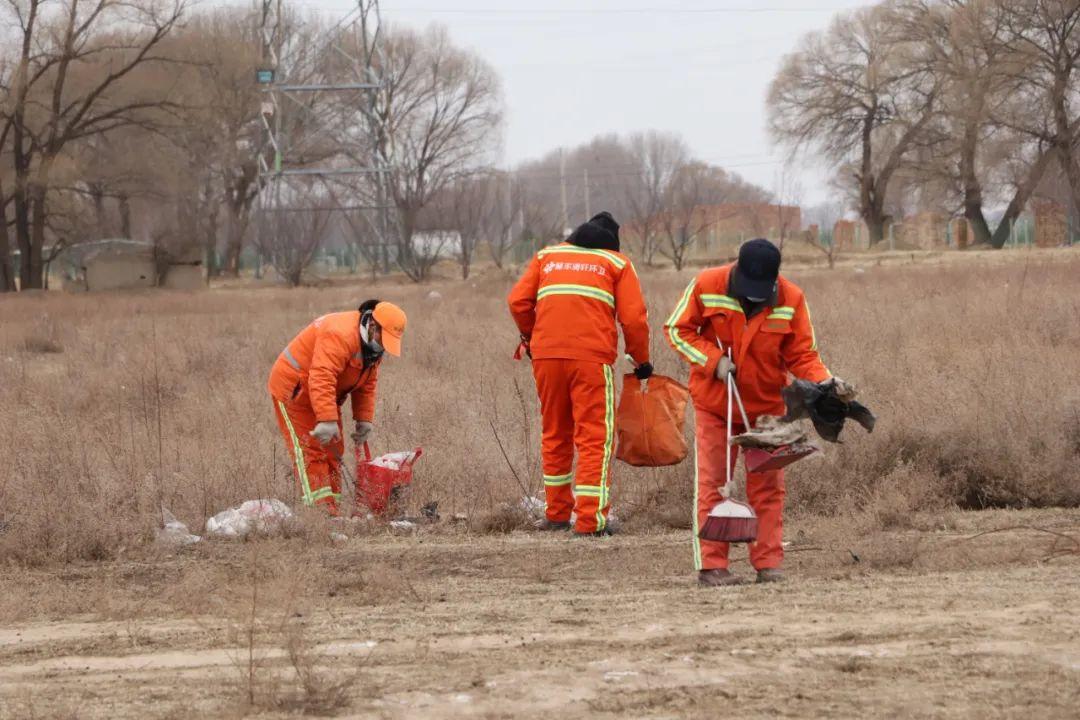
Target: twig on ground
x,y
1034,528
524,488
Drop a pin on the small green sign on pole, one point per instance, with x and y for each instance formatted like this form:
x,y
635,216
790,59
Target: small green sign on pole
x,y
264,76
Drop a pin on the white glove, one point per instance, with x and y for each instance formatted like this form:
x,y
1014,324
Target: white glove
x,y
324,432
362,432
844,390
724,368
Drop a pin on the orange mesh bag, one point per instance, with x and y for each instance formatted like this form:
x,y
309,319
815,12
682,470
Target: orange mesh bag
x,y
650,421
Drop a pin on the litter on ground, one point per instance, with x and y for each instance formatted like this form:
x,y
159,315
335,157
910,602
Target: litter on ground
x,y
259,516
174,532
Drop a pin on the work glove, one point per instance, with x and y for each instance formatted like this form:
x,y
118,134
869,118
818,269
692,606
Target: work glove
x,y
724,368
643,371
362,432
325,432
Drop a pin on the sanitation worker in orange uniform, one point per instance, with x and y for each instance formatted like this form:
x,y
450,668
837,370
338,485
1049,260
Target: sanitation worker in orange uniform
x,y
763,319
566,305
335,357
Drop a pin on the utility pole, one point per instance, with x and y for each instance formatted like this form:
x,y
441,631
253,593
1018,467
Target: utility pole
x,y
276,175
509,209
588,205
562,190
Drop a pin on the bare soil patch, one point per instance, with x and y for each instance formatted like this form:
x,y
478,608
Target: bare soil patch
x,y
929,622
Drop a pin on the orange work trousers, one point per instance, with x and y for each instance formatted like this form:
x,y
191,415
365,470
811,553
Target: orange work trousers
x,y
577,405
318,467
764,491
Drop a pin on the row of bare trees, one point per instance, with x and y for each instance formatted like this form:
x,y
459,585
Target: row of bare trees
x,y
140,118
951,105
650,180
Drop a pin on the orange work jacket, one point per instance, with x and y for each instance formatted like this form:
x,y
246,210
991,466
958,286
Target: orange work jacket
x,y
776,341
323,365
568,300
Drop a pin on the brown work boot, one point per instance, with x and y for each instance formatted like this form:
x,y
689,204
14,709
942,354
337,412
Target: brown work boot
x,y
546,525
770,575
718,577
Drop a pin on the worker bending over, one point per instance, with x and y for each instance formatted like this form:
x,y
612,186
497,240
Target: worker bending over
x,y
566,305
335,357
762,318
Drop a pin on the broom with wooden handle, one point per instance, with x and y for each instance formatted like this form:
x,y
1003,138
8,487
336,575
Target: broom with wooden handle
x,y
730,520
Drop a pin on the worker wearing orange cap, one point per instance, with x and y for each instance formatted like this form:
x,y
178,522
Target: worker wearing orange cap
x,y
335,357
566,306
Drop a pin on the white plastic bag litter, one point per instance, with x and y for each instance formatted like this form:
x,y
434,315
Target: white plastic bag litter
x,y
175,533
261,516
395,460
533,506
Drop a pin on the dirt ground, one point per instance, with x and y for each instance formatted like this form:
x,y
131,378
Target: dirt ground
x,y
931,621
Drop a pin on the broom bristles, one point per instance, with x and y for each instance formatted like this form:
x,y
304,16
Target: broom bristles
x,y
729,530
730,521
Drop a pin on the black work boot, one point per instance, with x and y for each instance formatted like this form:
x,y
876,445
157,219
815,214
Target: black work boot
x,y
718,577
770,575
611,527
546,525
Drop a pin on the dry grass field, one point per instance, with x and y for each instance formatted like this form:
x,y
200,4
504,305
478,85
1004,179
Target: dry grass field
x,y
115,406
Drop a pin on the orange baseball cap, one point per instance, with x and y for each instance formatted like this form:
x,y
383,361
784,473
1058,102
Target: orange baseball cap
x,y
391,319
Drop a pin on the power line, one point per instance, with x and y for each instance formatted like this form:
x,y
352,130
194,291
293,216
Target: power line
x,y
618,11
612,172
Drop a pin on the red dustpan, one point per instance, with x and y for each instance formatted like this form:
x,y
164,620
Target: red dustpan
x,y
730,520
762,460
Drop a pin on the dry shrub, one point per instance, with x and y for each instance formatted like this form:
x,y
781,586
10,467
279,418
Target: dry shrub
x,y
278,665
505,518
371,583
42,337
159,400
666,504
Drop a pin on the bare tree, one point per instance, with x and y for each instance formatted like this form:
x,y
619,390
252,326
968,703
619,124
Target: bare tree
x,y
292,239
433,121
505,208
977,72
7,269
1045,38
469,203
72,80
218,127
788,196
541,220
687,213
659,157
825,217
860,90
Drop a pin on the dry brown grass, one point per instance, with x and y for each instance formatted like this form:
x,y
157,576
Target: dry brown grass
x,y
159,400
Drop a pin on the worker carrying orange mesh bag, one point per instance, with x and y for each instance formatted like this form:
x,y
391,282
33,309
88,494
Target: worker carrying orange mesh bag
x,y
651,417
566,306
335,357
746,320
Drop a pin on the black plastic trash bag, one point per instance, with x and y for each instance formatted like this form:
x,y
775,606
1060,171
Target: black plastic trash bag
x,y
826,409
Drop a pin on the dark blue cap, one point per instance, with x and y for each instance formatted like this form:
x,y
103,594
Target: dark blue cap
x,y
757,270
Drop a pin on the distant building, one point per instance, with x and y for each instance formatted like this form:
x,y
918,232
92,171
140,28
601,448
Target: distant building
x,y
183,271
119,264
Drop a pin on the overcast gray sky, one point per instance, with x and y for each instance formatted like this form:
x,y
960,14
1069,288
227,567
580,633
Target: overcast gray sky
x,y
573,70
